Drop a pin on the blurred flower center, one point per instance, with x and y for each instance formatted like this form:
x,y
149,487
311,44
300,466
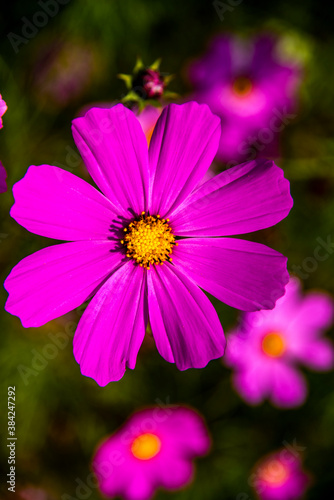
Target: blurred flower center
x,y
149,240
273,344
242,86
274,473
146,446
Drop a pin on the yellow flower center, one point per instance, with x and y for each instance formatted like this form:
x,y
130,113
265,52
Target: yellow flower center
x,y
149,240
274,473
273,344
242,86
146,446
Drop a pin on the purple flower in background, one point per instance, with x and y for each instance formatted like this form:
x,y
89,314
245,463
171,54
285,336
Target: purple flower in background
x,y
144,247
3,109
280,476
265,348
154,449
254,93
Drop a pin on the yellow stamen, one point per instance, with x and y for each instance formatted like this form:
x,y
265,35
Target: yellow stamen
x,y
273,344
146,446
150,240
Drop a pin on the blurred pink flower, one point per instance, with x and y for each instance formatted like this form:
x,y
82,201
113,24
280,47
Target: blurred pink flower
x,y
154,449
3,109
280,476
253,93
266,346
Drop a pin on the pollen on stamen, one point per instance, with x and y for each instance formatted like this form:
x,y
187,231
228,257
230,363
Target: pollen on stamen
x,y
149,240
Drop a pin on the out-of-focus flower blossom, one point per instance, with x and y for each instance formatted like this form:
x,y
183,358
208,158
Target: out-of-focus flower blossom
x,y
280,476
3,109
63,72
266,346
124,250
3,176
154,449
253,92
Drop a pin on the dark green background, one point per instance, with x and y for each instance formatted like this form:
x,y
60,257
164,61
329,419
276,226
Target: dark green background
x,y
62,415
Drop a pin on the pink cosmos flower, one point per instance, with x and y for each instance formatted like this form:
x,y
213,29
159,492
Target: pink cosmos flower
x,y
144,247
280,476
3,109
264,349
251,90
154,449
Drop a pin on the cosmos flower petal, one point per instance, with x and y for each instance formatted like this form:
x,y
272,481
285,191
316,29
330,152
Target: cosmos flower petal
x,y
183,145
57,279
246,198
3,176
137,485
253,383
112,328
183,472
316,354
289,388
243,274
315,313
52,202
183,319
114,149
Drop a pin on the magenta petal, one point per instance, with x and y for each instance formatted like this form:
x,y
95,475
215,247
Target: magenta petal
x,y
54,203
289,387
253,383
57,279
184,323
183,146
112,328
245,198
114,149
243,274
316,354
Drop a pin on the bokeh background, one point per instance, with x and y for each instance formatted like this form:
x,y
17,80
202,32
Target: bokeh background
x,y
70,62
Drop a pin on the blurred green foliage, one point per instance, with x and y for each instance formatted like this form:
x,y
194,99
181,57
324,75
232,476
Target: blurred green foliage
x,y
61,415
